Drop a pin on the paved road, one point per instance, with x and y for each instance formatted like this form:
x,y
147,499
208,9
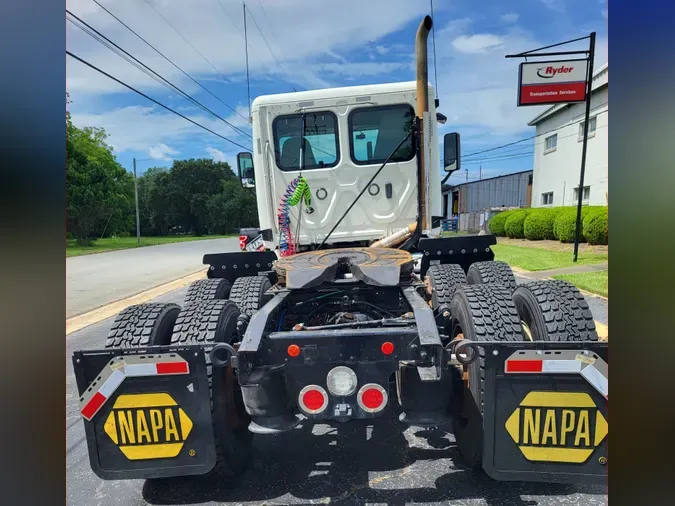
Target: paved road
x,y
348,464
96,280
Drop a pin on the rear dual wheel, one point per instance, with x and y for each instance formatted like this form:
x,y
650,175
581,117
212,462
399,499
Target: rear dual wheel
x,y
207,323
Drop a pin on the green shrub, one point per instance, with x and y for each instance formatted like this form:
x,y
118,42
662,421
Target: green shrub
x,y
539,224
514,224
497,222
595,226
565,224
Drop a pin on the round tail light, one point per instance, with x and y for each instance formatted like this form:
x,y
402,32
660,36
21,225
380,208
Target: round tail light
x,y
372,398
313,399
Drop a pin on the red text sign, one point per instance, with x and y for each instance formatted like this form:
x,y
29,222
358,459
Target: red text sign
x,y
552,82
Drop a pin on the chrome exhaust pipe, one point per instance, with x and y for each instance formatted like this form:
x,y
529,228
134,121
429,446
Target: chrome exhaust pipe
x,y
422,107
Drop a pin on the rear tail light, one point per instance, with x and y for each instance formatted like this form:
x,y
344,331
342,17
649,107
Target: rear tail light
x,y
243,239
372,398
313,399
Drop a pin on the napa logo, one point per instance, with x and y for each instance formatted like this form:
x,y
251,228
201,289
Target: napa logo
x,y
557,427
148,426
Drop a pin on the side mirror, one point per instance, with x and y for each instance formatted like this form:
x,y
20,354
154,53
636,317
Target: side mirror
x,y
245,167
451,152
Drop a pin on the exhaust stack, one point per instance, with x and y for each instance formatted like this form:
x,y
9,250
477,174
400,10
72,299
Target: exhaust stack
x,y
422,107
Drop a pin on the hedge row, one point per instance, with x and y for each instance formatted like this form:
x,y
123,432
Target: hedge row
x,y
557,223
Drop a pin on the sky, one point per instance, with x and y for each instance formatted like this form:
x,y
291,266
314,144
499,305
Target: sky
x,y
310,44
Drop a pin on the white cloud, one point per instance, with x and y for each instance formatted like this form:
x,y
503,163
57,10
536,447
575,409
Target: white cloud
x,y
554,5
162,152
382,49
511,17
215,154
477,43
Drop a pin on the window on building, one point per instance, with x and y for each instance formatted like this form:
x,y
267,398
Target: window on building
x,y
586,195
547,199
592,124
550,143
319,141
374,132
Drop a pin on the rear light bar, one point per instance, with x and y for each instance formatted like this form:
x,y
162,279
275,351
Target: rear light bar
x,y
313,399
591,367
372,398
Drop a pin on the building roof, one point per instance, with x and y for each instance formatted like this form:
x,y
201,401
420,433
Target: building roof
x,y
600,80
450,187
344,92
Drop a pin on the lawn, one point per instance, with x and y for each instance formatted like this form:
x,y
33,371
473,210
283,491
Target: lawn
x,y
595,282
110,244
538,259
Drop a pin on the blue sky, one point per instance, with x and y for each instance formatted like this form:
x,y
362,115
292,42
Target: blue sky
x,y
314,44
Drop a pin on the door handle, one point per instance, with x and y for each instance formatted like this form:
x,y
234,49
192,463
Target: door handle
x,y
388,190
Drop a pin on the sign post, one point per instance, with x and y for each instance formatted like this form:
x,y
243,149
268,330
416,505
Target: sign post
x,y
560,81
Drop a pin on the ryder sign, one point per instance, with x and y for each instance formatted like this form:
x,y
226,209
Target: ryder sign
x,y
552,82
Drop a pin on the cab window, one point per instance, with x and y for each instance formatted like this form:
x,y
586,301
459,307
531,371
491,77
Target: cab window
x,y
374,132
319,141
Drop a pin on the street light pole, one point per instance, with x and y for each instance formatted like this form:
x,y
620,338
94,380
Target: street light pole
x,y
138,219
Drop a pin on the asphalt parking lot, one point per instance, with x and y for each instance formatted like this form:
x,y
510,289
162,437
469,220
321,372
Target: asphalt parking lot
x,y
356,463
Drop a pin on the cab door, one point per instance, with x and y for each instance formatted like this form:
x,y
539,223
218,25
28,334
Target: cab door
x,y
343,145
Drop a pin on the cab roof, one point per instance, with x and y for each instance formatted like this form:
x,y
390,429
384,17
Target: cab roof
x,y
344,92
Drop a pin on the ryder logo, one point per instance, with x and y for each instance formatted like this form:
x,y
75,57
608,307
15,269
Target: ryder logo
x,y
549,72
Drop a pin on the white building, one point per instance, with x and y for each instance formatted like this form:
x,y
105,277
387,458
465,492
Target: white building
x,y
557,150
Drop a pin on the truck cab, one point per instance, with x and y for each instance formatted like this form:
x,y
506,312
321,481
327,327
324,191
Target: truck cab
x,y
345,135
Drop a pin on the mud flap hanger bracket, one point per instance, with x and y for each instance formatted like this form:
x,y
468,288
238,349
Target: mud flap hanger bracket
x,y
430,340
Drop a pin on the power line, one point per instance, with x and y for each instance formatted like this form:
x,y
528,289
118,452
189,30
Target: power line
x,y
98,36
186,40
230,18
501,158
167,59
288,79
153,100
526,139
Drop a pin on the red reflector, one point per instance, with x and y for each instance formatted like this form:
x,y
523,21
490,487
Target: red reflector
x,y
242,241
387,348
372,398
172,368
313,400
293,350
524,365
93,405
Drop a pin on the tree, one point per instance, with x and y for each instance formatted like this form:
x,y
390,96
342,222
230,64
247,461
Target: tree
x,y
234,208
99,190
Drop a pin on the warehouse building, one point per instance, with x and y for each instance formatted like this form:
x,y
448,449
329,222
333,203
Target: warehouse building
x,y
477,201
557,150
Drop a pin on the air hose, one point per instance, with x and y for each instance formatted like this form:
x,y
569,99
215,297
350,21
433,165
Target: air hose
x,y
296,192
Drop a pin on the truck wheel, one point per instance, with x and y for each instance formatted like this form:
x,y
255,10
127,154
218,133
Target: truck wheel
x,y
208,289
554,310
443,281
208,323
143,325
248,293
479,313
491,273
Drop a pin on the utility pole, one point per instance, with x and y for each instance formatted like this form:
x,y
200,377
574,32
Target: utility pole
x,y
467,174
138,219
480,172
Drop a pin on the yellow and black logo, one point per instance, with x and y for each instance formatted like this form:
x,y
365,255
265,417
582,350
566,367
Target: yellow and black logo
x,y
148,426
557,427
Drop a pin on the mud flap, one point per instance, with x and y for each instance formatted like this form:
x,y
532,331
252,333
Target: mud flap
x,y
146,412
545,413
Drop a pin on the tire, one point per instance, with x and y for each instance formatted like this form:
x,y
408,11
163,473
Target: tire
x,y
143,325
443,281
480,313
554,310
491,273
248,293
208,323
208,289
